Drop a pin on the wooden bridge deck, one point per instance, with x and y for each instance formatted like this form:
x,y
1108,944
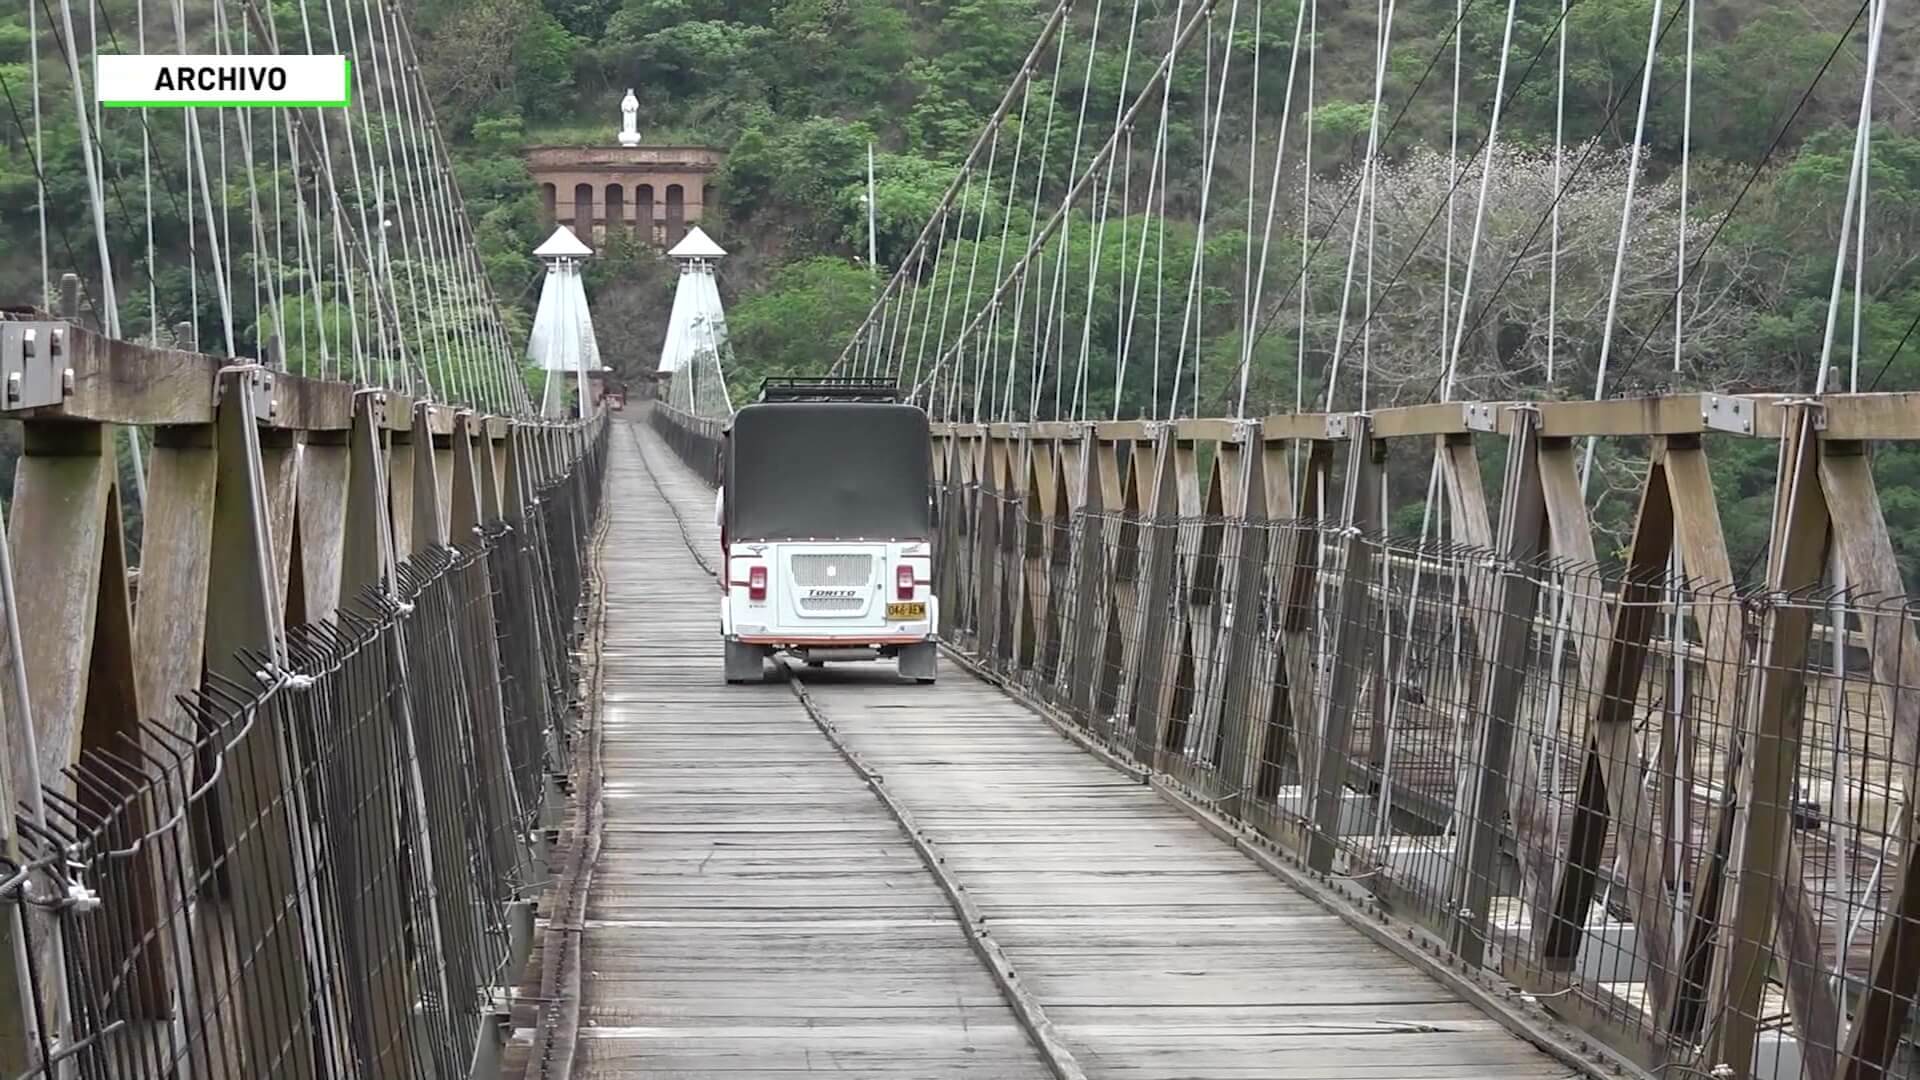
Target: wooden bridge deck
x,y
756,910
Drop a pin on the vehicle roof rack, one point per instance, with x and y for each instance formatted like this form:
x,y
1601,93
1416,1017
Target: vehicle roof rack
x,y
831,388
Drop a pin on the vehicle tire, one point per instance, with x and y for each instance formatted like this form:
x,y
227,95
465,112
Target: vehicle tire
x,y
920,662
745,663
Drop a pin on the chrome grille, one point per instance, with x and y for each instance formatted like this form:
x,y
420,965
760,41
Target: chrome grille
x,y
830,569
826,604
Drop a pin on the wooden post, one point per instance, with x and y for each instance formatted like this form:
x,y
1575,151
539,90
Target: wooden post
x,y
1366,461
70,297
243,613
1866,550
1090,582
19,1023
367,549
1771,737
375,933
1239,748
1296,565
169,644
325,464
1154,612
1611,786
401,483
429,525
1523,518
987,554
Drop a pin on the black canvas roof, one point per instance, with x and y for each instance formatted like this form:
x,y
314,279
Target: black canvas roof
x,y
828,470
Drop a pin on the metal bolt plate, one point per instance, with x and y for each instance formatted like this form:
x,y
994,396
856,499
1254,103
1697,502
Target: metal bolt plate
x,y
1338,425
259,387
33,363
1479,416
1726,413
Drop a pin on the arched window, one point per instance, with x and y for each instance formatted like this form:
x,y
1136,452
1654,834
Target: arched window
x,y
643,213
616,208
547,196
676,213
583,209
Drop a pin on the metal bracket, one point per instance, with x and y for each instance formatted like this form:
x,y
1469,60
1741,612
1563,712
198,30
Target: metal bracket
x,y
1816,409
377,405
266,403
1247,431
1479,416
1722,412
1158,429
1338,424
1078,429
33,364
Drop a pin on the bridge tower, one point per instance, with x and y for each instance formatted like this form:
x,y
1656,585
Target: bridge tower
x,y
562,341
692,357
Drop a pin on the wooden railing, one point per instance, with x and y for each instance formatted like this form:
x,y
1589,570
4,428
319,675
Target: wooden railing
x,y
1650,737
272,501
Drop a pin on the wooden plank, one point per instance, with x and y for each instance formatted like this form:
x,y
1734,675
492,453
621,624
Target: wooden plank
x,y
1867,417
134,384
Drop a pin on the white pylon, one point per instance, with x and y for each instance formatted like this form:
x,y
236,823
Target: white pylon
x,y
692,357
562,340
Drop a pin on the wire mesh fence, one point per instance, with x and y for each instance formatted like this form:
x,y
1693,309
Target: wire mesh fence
x,y
1674,811
1565,774
324,868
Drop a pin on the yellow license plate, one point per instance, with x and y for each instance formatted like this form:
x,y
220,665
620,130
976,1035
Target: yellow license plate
x,y
914,610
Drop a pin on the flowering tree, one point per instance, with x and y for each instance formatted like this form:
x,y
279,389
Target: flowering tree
x,y
1534,323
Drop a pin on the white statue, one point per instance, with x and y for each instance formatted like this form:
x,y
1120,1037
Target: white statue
x,y
629,115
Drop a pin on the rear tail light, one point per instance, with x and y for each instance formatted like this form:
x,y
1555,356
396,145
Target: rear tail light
x,y
903,581
757,583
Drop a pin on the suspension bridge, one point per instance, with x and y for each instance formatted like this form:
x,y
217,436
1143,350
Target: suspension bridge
x,y
363,710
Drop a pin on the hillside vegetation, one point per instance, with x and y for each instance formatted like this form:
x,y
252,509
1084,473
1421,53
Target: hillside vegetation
x,y
796,89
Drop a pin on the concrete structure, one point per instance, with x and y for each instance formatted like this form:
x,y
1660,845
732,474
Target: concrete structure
x,y
694,355
562,342
655,192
